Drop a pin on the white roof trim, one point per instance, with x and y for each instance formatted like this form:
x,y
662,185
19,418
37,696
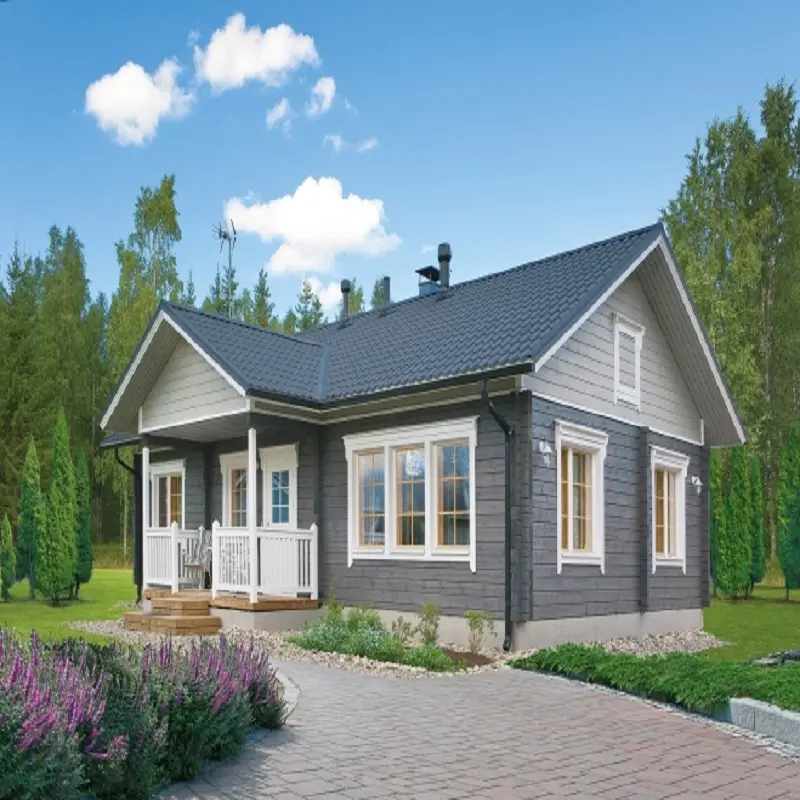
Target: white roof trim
x,y
696,325
160,319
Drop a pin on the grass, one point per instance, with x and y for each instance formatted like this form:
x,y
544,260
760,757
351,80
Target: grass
x,y
764,624
109,555
99,600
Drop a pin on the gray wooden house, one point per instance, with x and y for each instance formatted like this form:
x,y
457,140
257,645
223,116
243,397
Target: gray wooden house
x,y
533,443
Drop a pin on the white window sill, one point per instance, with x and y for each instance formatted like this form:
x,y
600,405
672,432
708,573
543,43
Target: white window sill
x,y
587,559
670,561
411,554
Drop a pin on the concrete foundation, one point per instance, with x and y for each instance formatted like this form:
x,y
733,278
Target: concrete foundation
x,y
291,620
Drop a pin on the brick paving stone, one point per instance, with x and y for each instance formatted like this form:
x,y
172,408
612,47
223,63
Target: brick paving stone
x,y
502,734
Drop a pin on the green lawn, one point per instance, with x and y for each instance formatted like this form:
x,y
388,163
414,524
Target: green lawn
x,y
99,600
766,623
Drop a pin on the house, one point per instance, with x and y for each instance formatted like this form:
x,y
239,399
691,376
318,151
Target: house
x,y
534,443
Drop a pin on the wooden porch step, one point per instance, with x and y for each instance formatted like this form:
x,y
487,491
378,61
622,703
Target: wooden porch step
x,y
264,603
180,605
172,624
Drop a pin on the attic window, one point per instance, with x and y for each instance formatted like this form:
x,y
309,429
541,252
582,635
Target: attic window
x,y
627,361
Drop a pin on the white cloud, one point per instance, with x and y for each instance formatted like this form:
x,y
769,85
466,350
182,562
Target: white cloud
x,y
367,145
428,248
322,94
280,113
131,102
335,141
348,106
314,225
237,54
330,296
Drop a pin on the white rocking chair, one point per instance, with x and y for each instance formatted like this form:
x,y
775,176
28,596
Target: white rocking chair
x,y
198,556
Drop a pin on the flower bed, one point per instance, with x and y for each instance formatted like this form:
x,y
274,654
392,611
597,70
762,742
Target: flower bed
x,y
694,682
361,633
80,720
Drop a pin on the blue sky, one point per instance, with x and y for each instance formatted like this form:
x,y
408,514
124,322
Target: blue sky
x,y
512,131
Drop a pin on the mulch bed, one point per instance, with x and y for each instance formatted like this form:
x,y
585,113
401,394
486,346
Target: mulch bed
x,y
470,659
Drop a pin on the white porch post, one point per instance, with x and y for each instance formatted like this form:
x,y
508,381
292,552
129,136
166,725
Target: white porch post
x,y
252,488
145,511
215,559
174,560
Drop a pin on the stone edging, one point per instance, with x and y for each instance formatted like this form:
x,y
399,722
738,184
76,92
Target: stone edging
x,y
763,718
291,693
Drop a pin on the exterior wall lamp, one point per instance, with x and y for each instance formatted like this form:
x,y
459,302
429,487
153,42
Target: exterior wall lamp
x,y
546,451
697,483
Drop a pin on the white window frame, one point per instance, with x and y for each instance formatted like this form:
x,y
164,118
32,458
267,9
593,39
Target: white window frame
x,y
229,462
278,459
622,392
166,469
595,444
678,463
387,440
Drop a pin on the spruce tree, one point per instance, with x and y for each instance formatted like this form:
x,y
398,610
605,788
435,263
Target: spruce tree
x,y
788,477
378,299
757,563
789,546
263,307
734,548
308,308
83,495
8,560
56,557
717,511
30,523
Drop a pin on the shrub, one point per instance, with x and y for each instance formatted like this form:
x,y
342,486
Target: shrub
x,y
789,547
31,519
56,553
758,565
8,560
480,624
333,609
402,631
118,722
361,634
690,681
428,626
83,523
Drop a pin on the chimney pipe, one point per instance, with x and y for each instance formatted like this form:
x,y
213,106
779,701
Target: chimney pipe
x,y
387,286
345,298
445,255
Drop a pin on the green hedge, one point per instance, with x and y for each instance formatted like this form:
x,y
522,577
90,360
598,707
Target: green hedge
x,y
690,681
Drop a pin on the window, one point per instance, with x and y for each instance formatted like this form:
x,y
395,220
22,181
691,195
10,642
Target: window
x,y
411,492
166,493
668,493
580,500
628,338
410,471
234,489
279,486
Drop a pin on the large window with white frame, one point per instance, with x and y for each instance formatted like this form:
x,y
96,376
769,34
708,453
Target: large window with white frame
x,y
580,501
669,471
411,492
279,486
167,498
234,489
628,337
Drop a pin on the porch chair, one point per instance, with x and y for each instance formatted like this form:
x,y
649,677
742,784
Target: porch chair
x,y
198,556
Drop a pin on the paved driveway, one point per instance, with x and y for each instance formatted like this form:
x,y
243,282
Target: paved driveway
x,y
494,735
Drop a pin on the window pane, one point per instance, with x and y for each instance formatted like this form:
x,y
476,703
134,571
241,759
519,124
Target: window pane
x,y
239,498
660,520
406,498
581,501
462,531
284,515
454,494
564,498
176,500
672,518
410,497
163,497
462,460
418,530
371,493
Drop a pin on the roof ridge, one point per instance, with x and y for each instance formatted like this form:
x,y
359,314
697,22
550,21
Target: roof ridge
x,y
230,320
457,286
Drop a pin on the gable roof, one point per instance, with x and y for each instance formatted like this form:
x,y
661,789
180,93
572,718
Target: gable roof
x,y
508,321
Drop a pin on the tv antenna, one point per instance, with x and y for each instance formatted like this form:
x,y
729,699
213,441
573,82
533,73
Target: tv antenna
x,y
224,235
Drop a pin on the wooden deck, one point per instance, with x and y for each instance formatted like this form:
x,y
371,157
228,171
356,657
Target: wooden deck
x,y
188,612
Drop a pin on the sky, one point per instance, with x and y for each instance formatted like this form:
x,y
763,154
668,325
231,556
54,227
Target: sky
x,y
349,139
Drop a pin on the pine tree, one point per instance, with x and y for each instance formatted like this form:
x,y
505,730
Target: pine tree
x,y
757,564
30,524
263,307
8,565
189,297
290,322
734,547
83,567
229,293
56,557
789,546
355,301
215,301
717,511
308,308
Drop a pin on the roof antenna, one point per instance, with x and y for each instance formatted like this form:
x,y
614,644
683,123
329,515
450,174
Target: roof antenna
x,y
229,236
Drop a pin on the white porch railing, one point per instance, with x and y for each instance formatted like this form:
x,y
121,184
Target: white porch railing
x,y
164,556
286,563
